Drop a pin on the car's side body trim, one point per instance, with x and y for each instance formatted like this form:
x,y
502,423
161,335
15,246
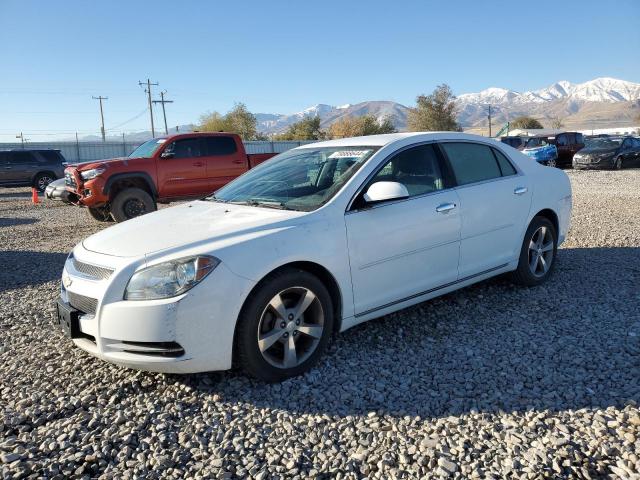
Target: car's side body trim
x,y
426,292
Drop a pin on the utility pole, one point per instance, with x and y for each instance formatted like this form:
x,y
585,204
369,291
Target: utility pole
x,y
148,92
489,116
100,97
21,137
164,113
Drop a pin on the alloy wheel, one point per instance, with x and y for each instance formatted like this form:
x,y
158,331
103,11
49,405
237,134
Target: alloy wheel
x,y
551,163
618,163
43,182
290,328
541,251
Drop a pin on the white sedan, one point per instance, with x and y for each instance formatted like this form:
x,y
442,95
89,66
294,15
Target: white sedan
x,y
309,243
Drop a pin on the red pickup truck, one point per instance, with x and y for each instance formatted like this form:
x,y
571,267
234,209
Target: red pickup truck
x,y
162,170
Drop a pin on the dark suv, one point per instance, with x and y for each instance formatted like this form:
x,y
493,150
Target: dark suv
x,y
31,168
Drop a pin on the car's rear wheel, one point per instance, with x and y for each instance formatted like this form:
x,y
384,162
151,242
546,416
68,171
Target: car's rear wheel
x,y
285,326
551,163
43,179
130,203
101,214
538,253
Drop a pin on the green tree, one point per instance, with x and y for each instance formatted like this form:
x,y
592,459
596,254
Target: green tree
x,y
238,120
360,126
306,129
525,123
435,112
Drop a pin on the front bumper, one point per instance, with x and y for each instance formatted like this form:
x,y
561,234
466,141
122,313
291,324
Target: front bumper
x,y
591,164
189,333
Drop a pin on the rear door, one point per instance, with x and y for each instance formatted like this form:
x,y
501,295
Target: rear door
x,y
494,205
184,173
224,161
564,146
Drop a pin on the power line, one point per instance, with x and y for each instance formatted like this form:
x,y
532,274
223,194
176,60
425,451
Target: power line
x,y
148,92
164,113
137,116
100,98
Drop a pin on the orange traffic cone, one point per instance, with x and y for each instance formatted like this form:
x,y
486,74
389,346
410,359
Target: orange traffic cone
x,y
34,196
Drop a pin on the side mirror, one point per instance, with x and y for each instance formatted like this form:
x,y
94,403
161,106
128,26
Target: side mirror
x,y
166,155
384,191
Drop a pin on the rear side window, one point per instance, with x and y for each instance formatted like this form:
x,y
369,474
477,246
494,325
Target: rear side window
x,y
505,165
471,162
51,156
579,138
220,146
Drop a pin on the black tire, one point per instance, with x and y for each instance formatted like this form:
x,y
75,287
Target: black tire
x,y
248,354
617,165
130,203
41,180
524,275
101,214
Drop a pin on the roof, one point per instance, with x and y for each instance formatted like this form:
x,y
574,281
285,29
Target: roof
x,y
389,138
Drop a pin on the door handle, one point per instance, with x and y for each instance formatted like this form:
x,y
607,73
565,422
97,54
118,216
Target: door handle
x,y
239,162
520,190
198,164
445,207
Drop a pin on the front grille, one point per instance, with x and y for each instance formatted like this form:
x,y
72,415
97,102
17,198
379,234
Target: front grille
x,y
82,303
93,271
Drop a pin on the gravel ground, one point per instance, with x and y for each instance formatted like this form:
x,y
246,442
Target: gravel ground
x,y
492,381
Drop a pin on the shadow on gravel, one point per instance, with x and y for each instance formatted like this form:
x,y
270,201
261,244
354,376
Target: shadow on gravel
x,y
19,268
569,344
10,222
15,194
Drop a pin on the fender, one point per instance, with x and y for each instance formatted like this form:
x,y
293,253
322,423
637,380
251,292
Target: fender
x,y
127,175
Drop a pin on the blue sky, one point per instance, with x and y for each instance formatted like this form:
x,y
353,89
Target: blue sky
x,y
282,56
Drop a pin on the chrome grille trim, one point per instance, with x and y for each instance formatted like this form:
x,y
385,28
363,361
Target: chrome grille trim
x,y
84,304
93,271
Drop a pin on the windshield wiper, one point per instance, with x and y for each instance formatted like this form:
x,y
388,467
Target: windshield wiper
x,y
262,203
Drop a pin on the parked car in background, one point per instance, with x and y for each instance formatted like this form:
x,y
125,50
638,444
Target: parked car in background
x,y
161,170
568,144
541,150
609,152
515,142
315,241
57,190
30,168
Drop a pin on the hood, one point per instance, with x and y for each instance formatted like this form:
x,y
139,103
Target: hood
x,y
596,151
185,225
88,165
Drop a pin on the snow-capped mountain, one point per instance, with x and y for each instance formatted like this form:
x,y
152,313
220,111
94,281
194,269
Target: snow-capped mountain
x,y
600,102
598,90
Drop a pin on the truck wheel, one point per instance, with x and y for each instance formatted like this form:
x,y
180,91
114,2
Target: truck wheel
x,y
101,214
130,203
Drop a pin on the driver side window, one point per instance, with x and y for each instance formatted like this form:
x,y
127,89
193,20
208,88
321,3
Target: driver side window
x,y
186,148
416,168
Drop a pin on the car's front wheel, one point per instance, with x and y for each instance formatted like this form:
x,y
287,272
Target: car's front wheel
x,y
538,253
42,180
101,214
618,163
284,326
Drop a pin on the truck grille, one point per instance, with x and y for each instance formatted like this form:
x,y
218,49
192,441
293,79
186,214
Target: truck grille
x,y
82,303
93,271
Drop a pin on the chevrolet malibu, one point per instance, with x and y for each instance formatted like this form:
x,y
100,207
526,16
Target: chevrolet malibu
x,y
318,239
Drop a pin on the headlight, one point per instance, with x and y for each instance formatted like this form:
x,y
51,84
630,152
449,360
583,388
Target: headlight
x,y
170,278
93,173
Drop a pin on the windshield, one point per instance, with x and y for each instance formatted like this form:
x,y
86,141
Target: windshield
x,y
603,142
303,179
536,142
147,149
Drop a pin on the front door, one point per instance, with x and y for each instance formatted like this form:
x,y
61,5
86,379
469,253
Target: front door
x,y
403,248
182,172
494,203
